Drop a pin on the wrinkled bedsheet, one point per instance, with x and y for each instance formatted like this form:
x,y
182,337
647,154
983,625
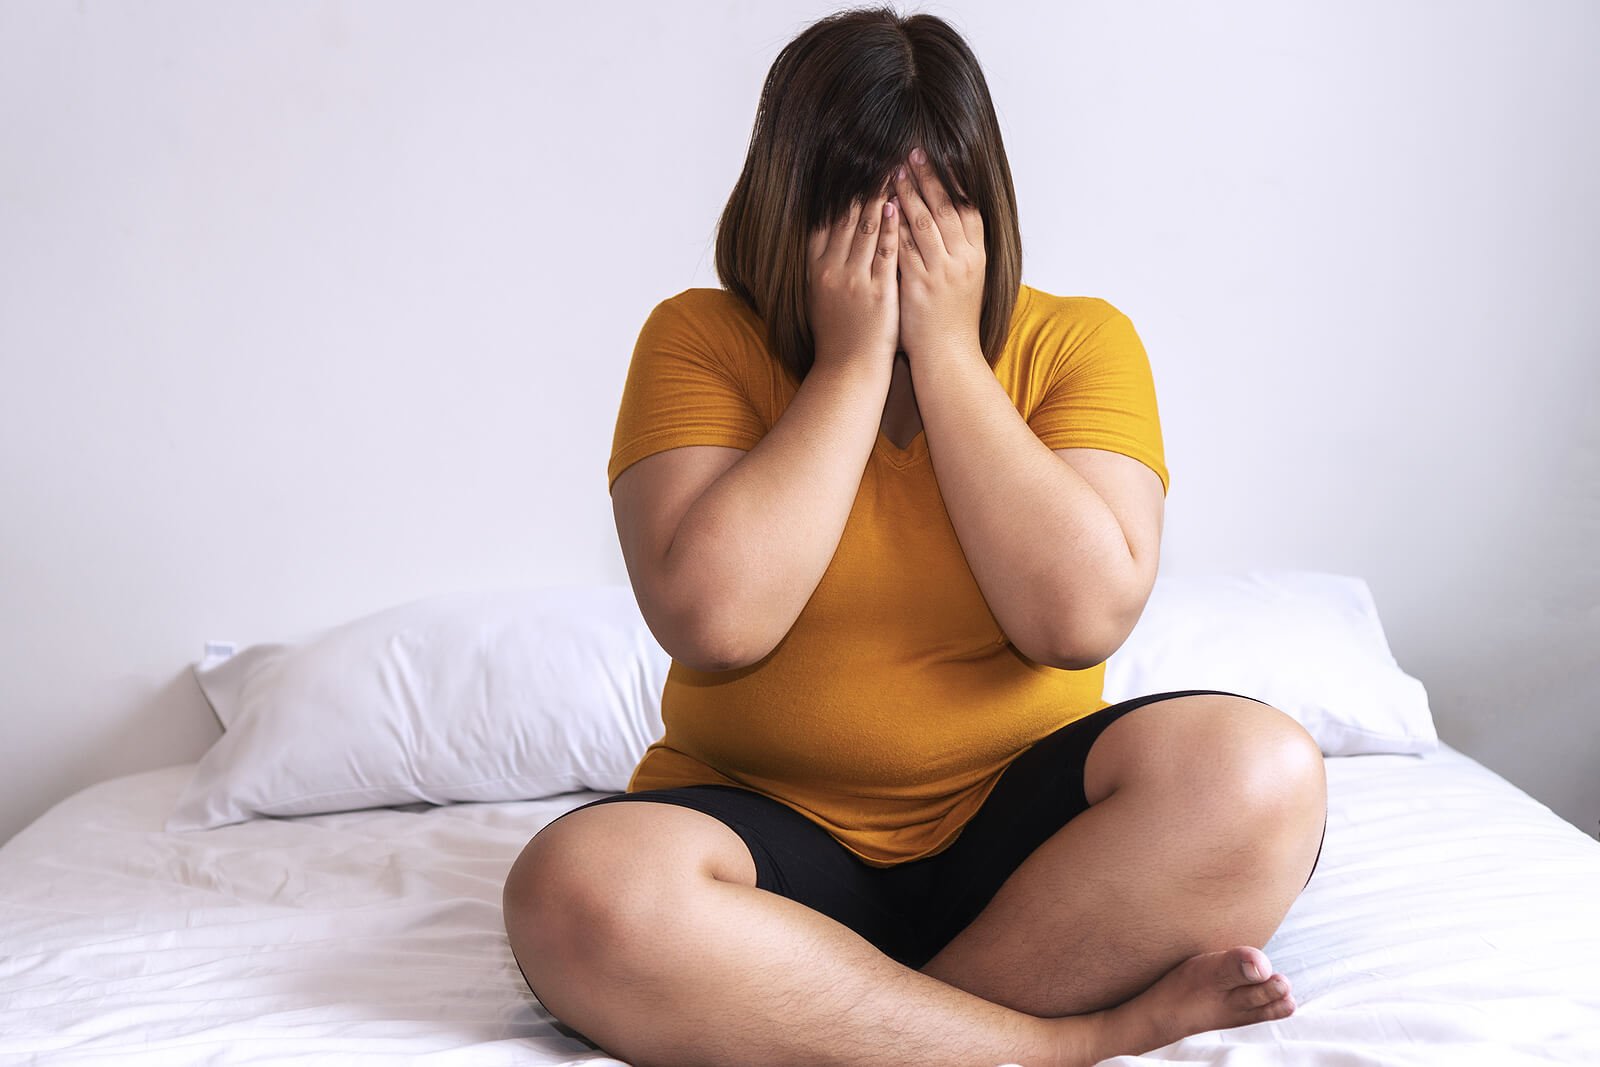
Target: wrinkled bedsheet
x,y
1453,919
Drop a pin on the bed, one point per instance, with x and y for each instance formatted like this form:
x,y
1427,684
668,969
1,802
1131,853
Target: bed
x,y
1452,918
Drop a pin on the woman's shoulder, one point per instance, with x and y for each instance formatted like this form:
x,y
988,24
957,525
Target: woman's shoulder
x,y
711,326
709,307
1052,332
713,318
1035,305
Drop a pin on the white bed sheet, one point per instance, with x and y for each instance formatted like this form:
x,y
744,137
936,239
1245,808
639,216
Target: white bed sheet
x,y
1452,920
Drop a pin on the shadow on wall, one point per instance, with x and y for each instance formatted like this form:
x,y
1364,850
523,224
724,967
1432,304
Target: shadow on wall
x,y
177,723
172,725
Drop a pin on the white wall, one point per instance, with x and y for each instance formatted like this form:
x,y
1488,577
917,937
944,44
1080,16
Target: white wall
x,y
310,308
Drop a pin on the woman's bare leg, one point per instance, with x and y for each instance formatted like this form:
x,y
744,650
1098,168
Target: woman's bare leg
x,y
1206,813
640,926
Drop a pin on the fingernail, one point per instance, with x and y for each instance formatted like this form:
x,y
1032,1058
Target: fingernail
x,y
918,156
900,175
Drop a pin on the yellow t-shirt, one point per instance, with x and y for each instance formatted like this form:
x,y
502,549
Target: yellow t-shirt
x,y
890,709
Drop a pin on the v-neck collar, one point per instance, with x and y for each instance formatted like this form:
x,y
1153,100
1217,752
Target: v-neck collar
x,y
901,458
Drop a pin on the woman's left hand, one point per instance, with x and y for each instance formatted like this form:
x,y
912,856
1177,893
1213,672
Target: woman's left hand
x,y
941,259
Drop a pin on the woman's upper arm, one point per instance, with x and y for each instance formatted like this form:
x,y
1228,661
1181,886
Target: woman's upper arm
x,y
1099,414
649,500
688,412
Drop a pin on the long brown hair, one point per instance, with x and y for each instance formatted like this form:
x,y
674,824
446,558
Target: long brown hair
x,y
843,105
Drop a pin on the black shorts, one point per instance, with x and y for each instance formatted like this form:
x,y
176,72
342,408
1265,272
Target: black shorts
x,y
912,910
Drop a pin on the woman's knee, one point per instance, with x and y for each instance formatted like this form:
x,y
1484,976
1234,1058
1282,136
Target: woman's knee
x,y
571,883
1241,755
1287,792
597,883
1257,778
1281,765
1257,762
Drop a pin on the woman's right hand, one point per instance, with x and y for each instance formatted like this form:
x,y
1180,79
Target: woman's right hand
x,y
853,295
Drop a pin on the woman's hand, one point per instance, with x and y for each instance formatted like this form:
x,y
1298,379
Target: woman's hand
x,y
942,264
852,296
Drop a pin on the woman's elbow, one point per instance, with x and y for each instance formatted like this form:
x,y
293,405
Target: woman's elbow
x,y
711,659
709,642
1065,661
1078,648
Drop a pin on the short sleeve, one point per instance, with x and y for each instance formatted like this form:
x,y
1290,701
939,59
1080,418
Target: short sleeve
x,y
1102,395
679,392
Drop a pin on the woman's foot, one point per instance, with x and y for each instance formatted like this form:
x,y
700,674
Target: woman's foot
x,y
1211,991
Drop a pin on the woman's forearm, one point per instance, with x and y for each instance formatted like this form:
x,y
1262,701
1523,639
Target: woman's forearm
x,y
751,549
1048,554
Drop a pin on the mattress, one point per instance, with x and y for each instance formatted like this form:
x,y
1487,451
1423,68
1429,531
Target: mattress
x,y
1452,920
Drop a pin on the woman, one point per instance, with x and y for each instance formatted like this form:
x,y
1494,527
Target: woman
x,y
890,510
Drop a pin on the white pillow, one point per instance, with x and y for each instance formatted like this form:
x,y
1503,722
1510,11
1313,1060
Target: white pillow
x,y
522,694
477,696
1306,642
